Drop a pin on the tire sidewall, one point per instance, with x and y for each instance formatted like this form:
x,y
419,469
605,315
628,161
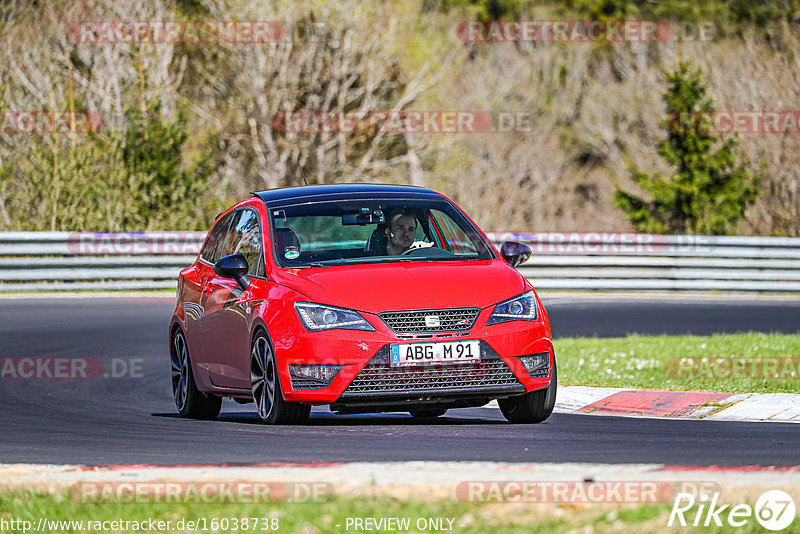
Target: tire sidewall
x,y
187,402
523,408
277,398
192,393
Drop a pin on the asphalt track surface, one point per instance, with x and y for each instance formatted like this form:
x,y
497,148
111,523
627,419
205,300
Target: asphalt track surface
x,y
133,420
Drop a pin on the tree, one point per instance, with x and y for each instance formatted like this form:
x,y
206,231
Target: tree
x,y
169,189
711,189
138,179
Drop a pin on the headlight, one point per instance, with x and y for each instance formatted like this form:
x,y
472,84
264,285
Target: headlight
x,y
521,308
316,317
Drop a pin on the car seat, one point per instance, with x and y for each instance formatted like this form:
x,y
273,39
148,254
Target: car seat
x,y
376,245
285,239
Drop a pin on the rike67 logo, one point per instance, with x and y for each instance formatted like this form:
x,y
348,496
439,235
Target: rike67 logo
x,y
774,510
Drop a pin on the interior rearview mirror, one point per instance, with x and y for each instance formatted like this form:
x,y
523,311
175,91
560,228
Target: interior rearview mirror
x,y
364,217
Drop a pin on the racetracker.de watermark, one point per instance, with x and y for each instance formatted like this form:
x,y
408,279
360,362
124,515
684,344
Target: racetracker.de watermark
x,y
605,242
200,492
574,492
583,31
135,242
734,368
404,121
50,122
187,31
735,122
69,368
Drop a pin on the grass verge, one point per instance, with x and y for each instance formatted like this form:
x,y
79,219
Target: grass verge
x,y
741,363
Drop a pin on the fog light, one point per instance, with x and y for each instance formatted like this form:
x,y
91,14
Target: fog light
x,y
312,376
537,365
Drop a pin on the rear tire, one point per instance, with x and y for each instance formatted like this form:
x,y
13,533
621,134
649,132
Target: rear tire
x,y
533,407
191,403
265,384
427,413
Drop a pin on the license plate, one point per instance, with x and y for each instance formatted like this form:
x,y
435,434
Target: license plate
x,y
435,353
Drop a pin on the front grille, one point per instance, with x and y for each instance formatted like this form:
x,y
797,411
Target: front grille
x,y
452,320
378,378
542,372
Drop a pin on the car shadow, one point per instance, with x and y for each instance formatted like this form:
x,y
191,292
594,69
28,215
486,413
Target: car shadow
x,y
331,419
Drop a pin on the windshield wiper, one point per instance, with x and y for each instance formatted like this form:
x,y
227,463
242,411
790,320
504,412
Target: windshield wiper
x,y
368,259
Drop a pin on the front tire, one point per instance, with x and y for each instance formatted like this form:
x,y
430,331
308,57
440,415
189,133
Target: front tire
x,y
265,384
533,407
191,403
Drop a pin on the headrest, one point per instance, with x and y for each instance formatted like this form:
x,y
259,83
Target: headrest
x,y
285,238
376,246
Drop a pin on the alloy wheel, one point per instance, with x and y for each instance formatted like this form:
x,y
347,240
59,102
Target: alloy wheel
x,y
180,370
262,376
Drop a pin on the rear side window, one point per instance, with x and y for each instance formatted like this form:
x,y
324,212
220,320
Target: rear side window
x,y
211,250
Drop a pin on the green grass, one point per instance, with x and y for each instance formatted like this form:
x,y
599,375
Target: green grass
x,y
690,363
331,516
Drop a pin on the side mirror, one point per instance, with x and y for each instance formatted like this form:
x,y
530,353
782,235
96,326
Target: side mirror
x,y
515,253
235,267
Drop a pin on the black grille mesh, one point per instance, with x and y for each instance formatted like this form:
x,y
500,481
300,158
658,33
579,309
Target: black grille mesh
x,y
379,377
451,320
300,384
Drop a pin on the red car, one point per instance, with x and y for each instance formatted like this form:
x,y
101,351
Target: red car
x,y
367,298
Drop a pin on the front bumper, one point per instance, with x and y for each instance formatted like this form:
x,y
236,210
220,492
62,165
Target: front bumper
x,y
367,379
379,379
381,387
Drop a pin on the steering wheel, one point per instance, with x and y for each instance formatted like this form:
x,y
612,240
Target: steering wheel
x,y
431,252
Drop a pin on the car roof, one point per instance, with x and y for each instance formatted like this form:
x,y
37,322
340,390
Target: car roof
x,y
313,193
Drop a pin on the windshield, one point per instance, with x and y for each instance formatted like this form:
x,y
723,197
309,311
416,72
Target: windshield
x,y
373,231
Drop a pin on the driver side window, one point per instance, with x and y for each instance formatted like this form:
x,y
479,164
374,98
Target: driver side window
x,y
246,240
212,249
452,237
237,233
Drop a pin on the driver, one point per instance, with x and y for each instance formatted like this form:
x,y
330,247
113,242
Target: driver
x,y
401,227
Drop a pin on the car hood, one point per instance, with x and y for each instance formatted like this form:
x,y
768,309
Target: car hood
x,y
377,288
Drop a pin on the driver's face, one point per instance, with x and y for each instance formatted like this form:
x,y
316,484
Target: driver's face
x,y
402,231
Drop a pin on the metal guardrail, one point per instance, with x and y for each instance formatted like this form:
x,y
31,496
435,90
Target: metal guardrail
x,y
80,261
619,261
77,261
